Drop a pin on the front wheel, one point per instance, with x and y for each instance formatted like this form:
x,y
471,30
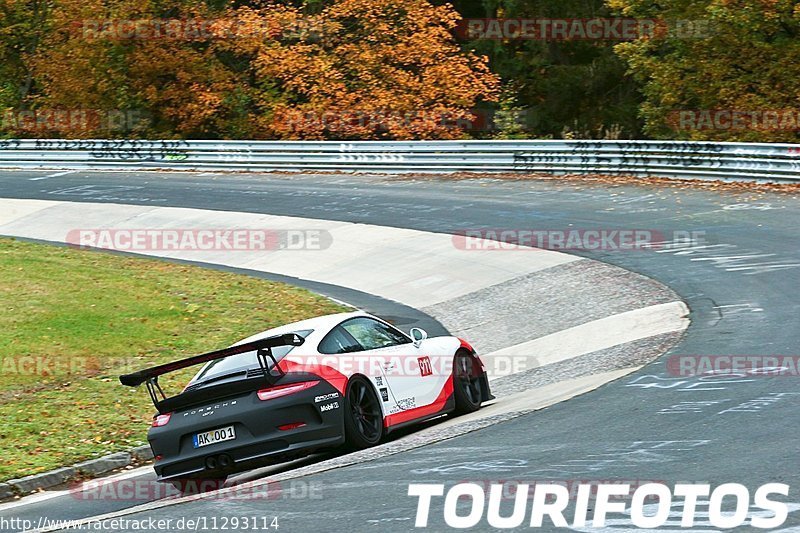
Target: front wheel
x,y
466,383
363,419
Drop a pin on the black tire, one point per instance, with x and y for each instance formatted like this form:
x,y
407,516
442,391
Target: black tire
x,y
466,383
188,486
363,418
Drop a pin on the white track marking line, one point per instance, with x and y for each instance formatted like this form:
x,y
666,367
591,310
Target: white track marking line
x,y
57,174
539,397
596,335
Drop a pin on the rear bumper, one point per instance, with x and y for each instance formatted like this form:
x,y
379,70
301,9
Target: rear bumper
x,y
259,437
243,458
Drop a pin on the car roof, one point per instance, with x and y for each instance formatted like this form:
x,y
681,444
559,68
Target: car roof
x,y
322,323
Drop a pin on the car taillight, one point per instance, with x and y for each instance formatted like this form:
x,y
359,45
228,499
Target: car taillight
x,y
161,420
283,390
293,425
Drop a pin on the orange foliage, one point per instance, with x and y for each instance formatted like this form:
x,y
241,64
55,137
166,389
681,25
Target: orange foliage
x,y
358,69
365,69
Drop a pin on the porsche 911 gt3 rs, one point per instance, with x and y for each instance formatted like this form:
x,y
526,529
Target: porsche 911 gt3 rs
x,y
344,379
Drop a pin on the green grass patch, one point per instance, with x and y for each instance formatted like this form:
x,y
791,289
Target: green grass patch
x,y
71,321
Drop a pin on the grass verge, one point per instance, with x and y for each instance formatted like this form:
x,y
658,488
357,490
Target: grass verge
x,y
71,321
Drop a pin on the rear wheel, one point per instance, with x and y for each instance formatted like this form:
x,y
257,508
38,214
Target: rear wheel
x,y
363,419
466,383
187,486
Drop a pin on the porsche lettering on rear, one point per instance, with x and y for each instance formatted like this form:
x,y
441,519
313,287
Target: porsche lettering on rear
x,y
208,410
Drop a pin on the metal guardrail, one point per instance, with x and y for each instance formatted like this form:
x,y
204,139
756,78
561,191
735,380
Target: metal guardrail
x,y
679,159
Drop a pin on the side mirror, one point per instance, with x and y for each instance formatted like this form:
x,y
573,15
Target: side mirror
x,y
418,335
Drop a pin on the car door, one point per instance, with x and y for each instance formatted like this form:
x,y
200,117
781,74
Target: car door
x,y
408,370
354,358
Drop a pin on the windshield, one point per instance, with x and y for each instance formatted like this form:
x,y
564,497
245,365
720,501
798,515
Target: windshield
x,y
242,362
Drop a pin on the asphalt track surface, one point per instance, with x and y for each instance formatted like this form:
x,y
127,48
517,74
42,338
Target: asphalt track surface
x,y
741,284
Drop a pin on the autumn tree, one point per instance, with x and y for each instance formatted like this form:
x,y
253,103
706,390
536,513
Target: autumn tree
x,y
332,69
135,68
718,55
361,69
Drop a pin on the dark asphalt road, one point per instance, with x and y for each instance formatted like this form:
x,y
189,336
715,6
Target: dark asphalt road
x,y
741,285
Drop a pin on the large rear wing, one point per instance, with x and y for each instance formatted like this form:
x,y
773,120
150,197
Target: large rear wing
x,y
262,347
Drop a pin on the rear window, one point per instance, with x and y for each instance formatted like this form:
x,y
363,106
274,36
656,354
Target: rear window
x,y
338,341
243,361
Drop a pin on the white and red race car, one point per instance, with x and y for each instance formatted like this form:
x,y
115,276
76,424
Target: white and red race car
x,y
346,378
